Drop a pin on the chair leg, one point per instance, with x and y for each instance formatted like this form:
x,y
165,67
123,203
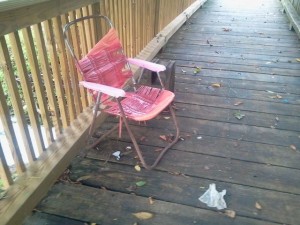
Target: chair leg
x,y
136,146
95,113
91,130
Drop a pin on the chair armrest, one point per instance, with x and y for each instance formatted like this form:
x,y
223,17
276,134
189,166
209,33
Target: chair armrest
x,y
111,91
148,65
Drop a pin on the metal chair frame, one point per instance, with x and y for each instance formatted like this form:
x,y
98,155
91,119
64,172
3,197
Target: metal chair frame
x,y
118,95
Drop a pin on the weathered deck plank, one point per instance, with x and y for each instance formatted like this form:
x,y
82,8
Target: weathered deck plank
x,y
110,207
104,175
253,158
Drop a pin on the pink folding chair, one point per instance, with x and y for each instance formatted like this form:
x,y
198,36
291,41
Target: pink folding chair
x,y
106,71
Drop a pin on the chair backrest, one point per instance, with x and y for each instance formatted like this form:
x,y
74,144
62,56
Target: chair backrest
x,y
105,63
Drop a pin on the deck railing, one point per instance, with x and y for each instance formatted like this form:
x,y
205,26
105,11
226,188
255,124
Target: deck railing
x,y
296,4
39,92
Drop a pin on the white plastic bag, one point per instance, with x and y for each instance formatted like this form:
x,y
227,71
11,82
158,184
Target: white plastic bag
x,y
117,154
213,198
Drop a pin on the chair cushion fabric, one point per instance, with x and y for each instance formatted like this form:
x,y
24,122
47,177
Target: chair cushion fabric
x,y
144,104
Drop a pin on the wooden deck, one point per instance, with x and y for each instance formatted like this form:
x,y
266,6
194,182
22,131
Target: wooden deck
x,y
248,51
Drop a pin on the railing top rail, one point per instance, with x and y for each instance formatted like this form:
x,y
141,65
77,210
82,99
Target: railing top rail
x,y
14,17
7,5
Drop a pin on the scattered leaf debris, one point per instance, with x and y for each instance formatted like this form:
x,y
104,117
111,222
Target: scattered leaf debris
x,y
207,41
140,183
271,92
258,206
83,178
239,115
168,138
131,188
143,215
293,147
177,174
230,213
137,168
143,138
158,149
227,29
276,96
238,103
151,200
216,85
197,69
163,137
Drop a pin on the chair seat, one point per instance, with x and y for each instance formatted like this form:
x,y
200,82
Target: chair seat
x,y
144,104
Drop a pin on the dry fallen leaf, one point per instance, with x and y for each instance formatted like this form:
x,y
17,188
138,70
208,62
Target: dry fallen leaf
x,y
143,215
271,92
226,29
151,201
137,168
276,96
230,213
257,205
217,85
298,59
293,147
168,138
163,137
84,178
238,103
142,138
131,188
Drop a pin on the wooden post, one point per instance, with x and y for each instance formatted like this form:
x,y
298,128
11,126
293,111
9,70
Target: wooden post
x,y
4,170
38,84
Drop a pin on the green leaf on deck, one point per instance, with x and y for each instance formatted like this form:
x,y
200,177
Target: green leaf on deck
x,y
140,183
239,115
197,70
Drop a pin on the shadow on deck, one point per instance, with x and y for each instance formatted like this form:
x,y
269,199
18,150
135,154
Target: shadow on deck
x,y
249,52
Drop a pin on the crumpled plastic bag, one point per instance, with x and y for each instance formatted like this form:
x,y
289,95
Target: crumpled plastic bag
x,y
213,198
117,154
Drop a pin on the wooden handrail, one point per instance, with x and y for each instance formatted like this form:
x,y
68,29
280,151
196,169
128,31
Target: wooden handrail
x,y
292,14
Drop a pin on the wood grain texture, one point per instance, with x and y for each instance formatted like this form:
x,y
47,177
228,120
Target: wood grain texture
x,y
124,205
